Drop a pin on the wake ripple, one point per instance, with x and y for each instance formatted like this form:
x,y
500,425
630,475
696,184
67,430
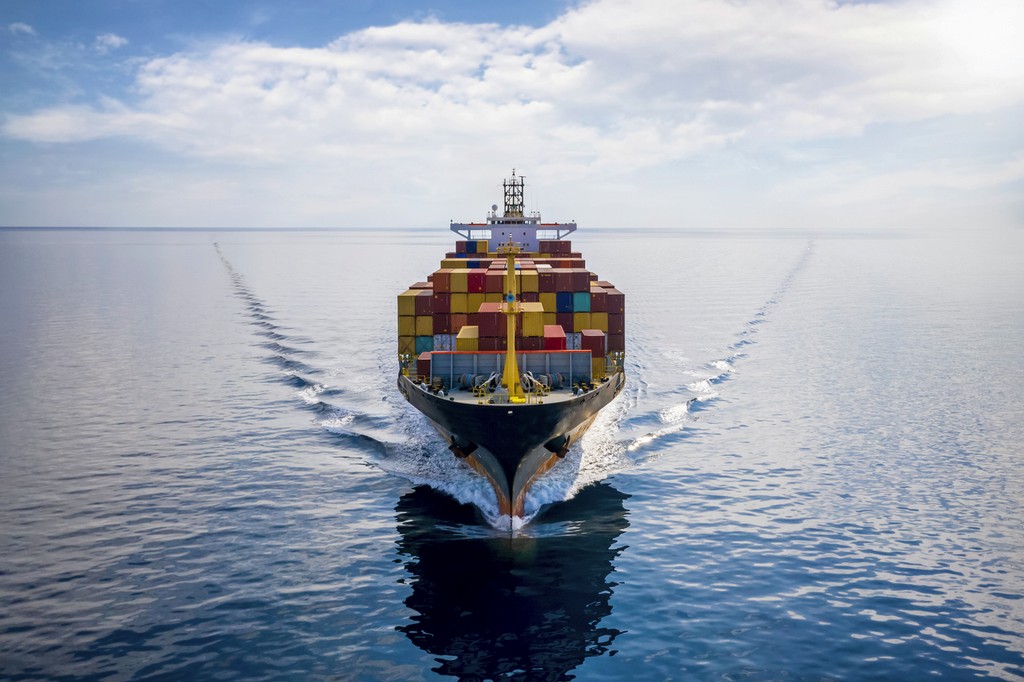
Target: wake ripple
x,y
422,458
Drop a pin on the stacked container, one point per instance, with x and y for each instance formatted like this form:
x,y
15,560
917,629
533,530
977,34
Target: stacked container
x,y
564,305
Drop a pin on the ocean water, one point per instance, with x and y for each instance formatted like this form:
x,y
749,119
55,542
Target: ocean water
x,y
206,471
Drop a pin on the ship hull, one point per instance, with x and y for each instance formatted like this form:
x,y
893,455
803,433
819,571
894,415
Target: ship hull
x,y
512,445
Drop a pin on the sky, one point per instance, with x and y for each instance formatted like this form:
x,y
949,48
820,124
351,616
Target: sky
x,y
702,114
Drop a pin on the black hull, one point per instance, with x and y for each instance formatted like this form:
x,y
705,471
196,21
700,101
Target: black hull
x,y
512,444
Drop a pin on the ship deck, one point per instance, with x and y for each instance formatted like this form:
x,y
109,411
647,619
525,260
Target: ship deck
x,y
477,397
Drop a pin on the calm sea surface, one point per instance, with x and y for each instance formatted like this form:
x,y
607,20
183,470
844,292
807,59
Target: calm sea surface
x,y
815,472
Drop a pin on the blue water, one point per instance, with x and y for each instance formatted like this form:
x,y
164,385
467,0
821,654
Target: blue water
x,y
206,471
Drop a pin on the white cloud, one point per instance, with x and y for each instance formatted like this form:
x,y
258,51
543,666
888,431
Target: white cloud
x,y
611,87
19,28
105,42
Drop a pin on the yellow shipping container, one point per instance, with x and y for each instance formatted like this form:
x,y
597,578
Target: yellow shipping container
x,y
599,321
493,298
424,325
407,302
597,367
460,303
550,318
406,345
473,301
460,280
529,281
468,338
533,324
581,321
406,325
481,246
550,302
450,263
533,319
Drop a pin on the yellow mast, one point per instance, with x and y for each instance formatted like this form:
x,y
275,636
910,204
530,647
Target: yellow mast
x,y
510,307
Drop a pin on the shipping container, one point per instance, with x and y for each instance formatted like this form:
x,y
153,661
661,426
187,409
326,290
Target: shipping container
x,y
468,339
442,281
407,302
460,280
581,302
442,303
444,342
424,302
406,325
616,301
423,366
494,282
616,324
460,303
594,341
554,337
406,345
581,321
475,281
442,323
424,325
424,344
564,301
529,282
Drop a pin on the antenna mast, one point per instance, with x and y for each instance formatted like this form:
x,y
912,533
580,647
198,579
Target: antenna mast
x,y
514,203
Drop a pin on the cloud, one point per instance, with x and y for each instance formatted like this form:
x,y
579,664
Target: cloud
x,y
611,87
105,42
18,28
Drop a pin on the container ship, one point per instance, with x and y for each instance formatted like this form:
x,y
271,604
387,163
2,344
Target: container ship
x,y
511,347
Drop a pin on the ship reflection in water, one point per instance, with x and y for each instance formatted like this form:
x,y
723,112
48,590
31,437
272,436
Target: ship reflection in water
x,y
531,606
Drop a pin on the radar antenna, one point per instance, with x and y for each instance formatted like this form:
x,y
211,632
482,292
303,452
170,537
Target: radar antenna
x,y
514,196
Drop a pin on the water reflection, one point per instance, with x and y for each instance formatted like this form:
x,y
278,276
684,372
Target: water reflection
x,y
525,607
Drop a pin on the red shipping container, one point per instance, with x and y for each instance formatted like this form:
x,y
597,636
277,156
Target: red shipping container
x,y
491,324
616,301
565,320
494,282
424,302
563,279
580,280
442,323
476,280
592,340
460,246
598,300
529,297
616,342
442,281
554,337
459,320
616,324
545,281
530,343
422,285
492,343
423,365
442,303
489,307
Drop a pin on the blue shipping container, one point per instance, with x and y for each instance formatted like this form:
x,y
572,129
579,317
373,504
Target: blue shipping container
x,y
424,344
564,302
